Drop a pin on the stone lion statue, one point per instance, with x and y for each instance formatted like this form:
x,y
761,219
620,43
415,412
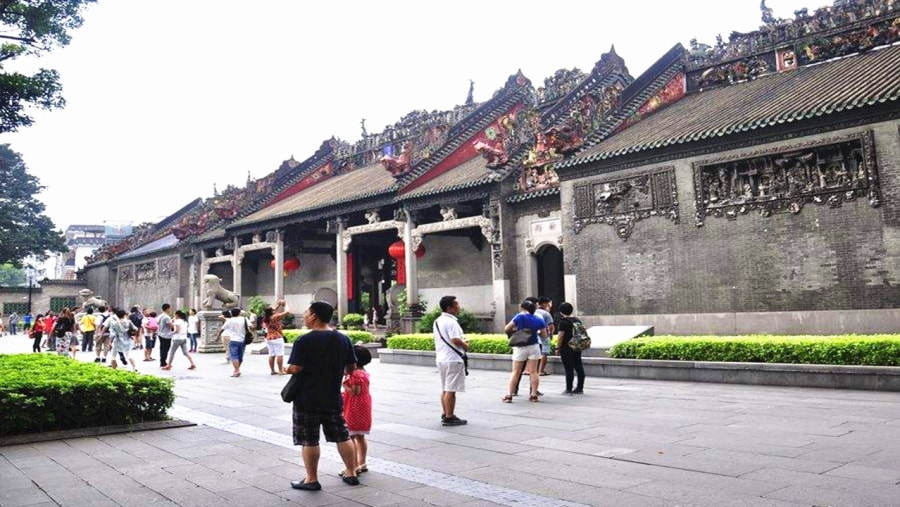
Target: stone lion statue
x,y
88,300
212,287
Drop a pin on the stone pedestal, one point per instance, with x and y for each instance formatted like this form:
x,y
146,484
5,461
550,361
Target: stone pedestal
x,y
210,323
409,322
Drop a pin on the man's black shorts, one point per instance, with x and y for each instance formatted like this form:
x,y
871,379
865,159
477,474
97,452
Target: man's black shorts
x,y
307,423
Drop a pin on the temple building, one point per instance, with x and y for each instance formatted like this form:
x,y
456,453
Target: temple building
x,y
749,186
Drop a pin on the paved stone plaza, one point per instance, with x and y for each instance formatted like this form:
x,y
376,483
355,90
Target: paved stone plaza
x,y
624,443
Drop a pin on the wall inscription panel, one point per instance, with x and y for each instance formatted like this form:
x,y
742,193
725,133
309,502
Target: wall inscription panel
x,y
827,172
621,202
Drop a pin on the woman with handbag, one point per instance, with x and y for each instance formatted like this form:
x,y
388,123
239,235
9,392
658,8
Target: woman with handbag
x,y
526,329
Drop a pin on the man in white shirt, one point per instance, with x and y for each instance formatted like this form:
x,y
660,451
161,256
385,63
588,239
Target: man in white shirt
x,y
450,347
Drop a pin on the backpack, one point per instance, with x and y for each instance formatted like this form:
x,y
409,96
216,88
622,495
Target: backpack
x,y
580,339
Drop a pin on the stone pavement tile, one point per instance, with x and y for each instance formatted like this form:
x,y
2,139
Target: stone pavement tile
x,y
839,452
488,444
311,498
219,463
529,483
565,445
373,479
688,494
431,461
84,495
505,432
812,495
581,474
765,461
268,481
737,444
22,496
252,496
603,497
399,440
20,481
866,473
195,496
888,458
19,451
477,503
34,461
434,496
192,470
712,466
215,483
637,443
373,497
826,482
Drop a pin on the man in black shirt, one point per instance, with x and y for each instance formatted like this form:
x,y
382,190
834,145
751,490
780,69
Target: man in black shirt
x,y
320,357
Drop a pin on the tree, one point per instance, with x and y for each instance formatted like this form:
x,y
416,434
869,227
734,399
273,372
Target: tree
x,y
11,276
24,229
32,27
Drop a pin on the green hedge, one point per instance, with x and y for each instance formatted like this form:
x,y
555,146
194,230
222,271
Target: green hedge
x,y
43,392
291,335
871,350
478,343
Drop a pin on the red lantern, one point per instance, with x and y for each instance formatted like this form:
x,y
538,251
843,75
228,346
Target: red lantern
x,y
397,250
292,263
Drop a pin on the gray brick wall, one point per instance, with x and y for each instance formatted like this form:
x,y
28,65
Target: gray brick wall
x,y
819,259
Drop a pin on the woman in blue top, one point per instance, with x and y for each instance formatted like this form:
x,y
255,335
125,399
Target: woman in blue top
x,y
527,356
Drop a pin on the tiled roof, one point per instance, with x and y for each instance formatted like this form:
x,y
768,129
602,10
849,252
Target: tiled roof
x,y
162,243
534,194
216,233
361,183
804,93
471,173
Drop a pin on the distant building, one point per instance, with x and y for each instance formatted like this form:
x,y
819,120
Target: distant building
x,y
82,241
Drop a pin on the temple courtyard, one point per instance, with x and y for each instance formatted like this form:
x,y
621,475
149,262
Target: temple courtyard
x,y
623,443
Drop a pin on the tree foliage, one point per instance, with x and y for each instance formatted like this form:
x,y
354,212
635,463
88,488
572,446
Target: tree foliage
x,y
24,229
32,27
11,276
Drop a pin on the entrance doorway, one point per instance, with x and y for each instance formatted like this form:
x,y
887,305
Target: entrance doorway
x,y
550,274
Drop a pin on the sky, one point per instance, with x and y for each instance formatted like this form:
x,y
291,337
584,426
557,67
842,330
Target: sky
x,y
167,97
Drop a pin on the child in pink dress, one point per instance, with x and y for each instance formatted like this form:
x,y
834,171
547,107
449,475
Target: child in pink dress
x,y
358,406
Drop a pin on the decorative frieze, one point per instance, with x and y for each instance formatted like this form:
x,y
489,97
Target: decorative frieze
x,y
126,274
622,202
830,171
145,272
167,267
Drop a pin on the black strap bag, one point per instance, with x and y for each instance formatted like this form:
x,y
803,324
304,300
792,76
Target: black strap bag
x,y
248,335
290,390
465,357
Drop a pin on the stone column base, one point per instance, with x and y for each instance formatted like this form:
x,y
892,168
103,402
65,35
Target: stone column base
x,y
209,328
410,321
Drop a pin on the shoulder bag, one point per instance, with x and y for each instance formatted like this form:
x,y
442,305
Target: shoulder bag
x,y
248,335
520,338
464,356
291,389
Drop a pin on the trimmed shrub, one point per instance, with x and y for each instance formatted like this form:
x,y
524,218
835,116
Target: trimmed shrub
x,y
353,321
42,392
467,321
291,335
478,343
869,350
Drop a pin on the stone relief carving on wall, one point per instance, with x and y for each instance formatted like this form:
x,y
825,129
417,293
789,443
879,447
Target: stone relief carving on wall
x,y
126,274
830,171
145,272
622,202
168,267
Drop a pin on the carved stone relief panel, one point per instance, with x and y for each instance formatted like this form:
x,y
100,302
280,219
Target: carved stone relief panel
x,y
831,171
544,231
622,202
145,271
126,274
168,267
